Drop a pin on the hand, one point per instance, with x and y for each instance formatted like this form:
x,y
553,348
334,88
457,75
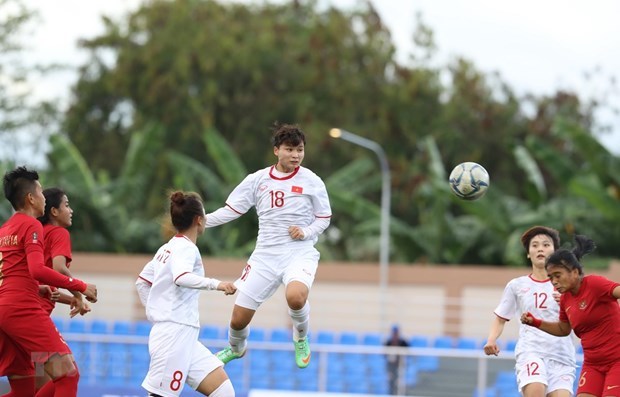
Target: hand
x,y
491,348
529,319
51,293
78,306
91,293
296,233
228,288
85,308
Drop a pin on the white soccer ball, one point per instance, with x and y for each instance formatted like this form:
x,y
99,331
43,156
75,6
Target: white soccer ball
x,y
469,181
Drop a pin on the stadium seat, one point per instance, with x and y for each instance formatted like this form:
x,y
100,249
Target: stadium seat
x,y
121,327
488,392
419,341
443,342
142,328
76,326
372,339
281,335
257,334
98,327
510,345
209,332
466,343
348,338
326,337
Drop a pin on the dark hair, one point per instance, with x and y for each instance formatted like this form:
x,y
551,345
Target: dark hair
x,y
184,207
530,233
569,259
287,133
53,199
17,184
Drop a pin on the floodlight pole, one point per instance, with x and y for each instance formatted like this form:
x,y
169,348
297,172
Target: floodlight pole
x,y
384,239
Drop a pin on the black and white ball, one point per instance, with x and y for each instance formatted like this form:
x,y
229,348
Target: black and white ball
x,y
469,181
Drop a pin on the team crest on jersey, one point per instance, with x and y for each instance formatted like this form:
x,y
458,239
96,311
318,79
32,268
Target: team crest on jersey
x,y
582,305
262,188
297,189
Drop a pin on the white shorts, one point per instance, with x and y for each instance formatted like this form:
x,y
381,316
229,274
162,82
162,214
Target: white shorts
x,y
531,368
267,269
177,357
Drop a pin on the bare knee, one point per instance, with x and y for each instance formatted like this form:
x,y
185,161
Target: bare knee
x,y
296,295
241,317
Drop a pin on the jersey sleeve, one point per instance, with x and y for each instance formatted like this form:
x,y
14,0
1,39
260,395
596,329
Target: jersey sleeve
x,y
320,200
603,286
58,242
182,261
243,197
507,307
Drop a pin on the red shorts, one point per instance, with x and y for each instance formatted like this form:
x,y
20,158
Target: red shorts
x,y
27,335
600,380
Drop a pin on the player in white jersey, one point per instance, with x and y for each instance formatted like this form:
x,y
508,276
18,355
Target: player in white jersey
x,y
545,364
168,287
293,209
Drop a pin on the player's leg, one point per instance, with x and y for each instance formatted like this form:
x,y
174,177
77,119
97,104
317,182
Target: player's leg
x,y
170,348
532,375
64,373
258,282
561,379
207,375
298,278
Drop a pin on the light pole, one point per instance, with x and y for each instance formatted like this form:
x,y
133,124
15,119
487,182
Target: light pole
x,y
384,239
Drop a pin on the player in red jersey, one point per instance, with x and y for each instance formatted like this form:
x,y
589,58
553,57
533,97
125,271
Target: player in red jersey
x,y
588,306
57,248
57,253
28,338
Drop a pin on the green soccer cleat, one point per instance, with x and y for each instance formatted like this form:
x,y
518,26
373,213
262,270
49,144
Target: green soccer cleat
x,y
227,355
302,353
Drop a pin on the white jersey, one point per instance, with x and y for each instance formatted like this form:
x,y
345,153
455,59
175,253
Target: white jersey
x,y
168,301
524,294
296,199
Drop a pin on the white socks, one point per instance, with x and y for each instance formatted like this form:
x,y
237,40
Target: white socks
x,y
300,319
238,339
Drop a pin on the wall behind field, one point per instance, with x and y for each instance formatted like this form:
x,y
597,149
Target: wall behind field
x,y
422,299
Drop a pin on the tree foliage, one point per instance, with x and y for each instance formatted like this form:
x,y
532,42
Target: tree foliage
x,y
180,94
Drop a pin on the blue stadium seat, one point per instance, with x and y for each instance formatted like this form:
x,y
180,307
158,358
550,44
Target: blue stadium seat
x,y
488,392
510,345
419,341
372,339
325,337
281,335
257,334
98,327
76,326
348,338
142,328
209,332
466,343
121,327
443,342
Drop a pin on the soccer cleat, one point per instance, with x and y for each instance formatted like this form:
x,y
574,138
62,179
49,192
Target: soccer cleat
x,y
227,355
302,353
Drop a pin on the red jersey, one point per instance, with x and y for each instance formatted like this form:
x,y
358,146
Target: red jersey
x,y
21,260
57,243
594,315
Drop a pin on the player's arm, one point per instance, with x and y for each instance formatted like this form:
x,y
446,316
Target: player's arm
x,y
145,281
558,328
59,263
495,331
616,292
221,216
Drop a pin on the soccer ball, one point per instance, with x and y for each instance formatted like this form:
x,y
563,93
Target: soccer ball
x,y
469,181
